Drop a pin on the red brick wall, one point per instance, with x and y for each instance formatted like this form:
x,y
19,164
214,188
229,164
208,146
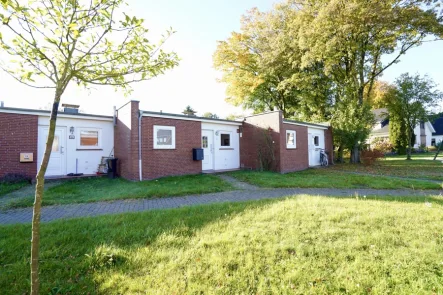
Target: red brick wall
x,y
254,128
298,158
160,163
329,144
18,134
126,140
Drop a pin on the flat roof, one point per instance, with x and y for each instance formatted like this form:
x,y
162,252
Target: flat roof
x,y
306,123
45,112
192,118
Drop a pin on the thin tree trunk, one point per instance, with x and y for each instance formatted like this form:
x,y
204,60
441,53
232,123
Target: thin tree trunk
x,y
39,189
355,154
408,151
340,154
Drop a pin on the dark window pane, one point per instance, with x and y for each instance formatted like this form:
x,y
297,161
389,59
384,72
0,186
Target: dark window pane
x,y
316,141
225,140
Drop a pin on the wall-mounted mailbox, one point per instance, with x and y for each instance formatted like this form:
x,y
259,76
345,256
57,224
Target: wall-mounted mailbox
x,y
26,157
197,154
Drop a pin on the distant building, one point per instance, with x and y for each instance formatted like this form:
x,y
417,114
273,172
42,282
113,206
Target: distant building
x,y
437,136
423,131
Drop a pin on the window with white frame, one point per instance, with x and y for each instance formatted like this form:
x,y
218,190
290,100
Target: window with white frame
x,y
291,139
89,138
225,139
164,137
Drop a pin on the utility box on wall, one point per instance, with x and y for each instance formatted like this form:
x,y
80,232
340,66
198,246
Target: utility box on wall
x,y
26,157
197,154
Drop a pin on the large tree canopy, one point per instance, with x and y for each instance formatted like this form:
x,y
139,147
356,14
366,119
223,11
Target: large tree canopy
x,y
50,43
311,58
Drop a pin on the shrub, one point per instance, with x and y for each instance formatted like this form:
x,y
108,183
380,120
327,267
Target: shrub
x,y
381,144
368,157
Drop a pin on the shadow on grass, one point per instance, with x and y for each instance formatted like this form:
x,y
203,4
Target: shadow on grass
x,y
73,250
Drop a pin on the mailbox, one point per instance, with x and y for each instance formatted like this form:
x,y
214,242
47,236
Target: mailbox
x,y
197,154
26,157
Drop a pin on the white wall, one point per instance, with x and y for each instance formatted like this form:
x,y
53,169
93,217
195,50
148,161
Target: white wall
x,y
438,138
225,158
88,160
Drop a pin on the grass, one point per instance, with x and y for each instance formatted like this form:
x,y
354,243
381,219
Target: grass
x,y
9,187
85,190
421,167
327,178
299,245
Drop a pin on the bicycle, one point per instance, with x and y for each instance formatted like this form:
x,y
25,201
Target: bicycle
x,y
324,158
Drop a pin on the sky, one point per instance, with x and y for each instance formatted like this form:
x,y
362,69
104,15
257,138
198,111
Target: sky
x,y
199,25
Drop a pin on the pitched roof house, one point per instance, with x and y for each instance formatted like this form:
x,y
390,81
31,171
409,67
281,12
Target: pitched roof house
x,y
423,130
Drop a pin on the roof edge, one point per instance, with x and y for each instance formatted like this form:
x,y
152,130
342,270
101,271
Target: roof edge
x,y
45,112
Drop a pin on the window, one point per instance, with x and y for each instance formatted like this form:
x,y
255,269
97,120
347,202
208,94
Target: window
x,y
204,142
164,137
433,142
89,138
55,144
225,139
316,140
422,125
291,139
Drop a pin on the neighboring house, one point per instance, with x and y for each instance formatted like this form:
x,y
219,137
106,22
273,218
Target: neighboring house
x,y
150,145
423,131
437,136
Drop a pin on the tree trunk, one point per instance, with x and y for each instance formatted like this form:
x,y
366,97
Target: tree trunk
x,y
410,144
355,154
39,189
340,154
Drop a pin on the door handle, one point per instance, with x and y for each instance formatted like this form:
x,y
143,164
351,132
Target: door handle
x,y
61,150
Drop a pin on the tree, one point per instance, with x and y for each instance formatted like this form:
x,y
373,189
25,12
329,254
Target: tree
x,y
350,38
189,111
210,115
320,53
53,43
260,69
411,102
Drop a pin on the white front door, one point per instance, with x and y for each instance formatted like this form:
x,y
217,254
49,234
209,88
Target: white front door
x,y
208,149
316,143
57,161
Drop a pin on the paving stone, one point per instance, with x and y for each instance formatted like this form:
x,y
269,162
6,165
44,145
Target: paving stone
x,y
50,213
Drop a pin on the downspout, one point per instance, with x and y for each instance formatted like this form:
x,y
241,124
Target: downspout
x,y
140,115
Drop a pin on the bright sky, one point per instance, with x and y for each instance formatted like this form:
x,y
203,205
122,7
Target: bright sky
x,y
199,24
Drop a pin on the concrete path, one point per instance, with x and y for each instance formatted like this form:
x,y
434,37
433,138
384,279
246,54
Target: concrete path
x,y
51,213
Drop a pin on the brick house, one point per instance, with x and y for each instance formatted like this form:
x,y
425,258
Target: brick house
x,y
150,145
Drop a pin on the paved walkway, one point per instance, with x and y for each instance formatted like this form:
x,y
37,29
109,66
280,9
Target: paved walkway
x,y
51,213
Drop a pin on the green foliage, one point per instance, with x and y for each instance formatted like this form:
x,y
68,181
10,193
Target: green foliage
x,y
409,104
51,44
211,115
297,245
397,134
315,59
189,111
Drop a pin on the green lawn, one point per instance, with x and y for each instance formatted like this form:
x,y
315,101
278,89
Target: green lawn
x,y
421,166
299,245
328,178
84,190
8,187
